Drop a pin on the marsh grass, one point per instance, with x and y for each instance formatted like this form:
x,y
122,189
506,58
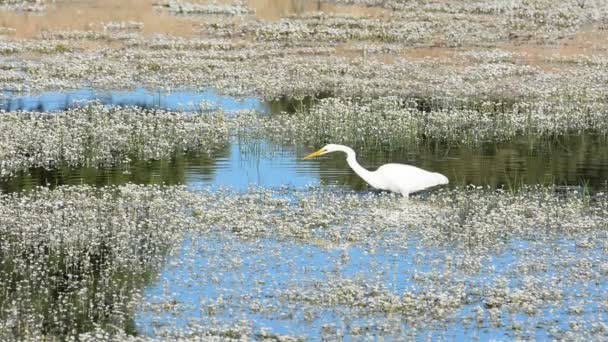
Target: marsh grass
x,y
522,263
189,8
471,226
398,122
23,5
75,260
97,135
119,141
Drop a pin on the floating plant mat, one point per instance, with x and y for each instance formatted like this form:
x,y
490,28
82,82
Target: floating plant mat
x,y
164,261
223,286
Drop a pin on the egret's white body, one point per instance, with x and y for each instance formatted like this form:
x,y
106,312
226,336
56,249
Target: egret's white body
x,y
400,178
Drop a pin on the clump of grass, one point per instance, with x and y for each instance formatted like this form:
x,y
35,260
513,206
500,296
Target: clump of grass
x,y
98,135
397,122
23,5
7,48
75,259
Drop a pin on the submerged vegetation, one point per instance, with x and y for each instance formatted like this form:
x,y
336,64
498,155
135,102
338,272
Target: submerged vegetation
x,y
139,262
59,246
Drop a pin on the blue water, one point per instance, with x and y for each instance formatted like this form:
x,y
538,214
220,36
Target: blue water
x,y
273,167
267,164
141,97
236,168
203,272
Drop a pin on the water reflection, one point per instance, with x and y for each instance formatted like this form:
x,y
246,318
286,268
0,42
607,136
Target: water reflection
x,y
238,166
572,160
580,160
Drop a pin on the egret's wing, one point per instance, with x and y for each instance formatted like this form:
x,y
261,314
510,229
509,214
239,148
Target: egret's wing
x,y
409,178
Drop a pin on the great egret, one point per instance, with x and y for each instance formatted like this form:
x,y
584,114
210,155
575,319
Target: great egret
x,y
400,178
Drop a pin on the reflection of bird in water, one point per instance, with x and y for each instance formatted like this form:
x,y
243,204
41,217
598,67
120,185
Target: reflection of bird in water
x,y
400,178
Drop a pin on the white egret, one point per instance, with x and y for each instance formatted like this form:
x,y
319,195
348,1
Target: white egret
x,y
400,178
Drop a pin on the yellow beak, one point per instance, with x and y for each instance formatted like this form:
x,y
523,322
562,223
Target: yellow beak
x,y
316,154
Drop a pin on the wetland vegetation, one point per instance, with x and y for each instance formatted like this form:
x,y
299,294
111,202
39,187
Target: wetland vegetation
x,y
152,188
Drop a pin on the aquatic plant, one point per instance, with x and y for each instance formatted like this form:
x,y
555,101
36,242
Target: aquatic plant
x,y
97,135
9,48
82,262
496,250
348,55
76,259
456,23
398,122
101,135
122,25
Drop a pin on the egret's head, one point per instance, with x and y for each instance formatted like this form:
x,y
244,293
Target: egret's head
x,y
324,150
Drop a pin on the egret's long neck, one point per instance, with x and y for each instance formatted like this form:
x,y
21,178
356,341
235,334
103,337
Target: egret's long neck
x,y
351,159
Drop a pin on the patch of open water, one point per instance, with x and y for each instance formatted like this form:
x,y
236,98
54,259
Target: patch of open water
x,y
225,279
174,100
577,160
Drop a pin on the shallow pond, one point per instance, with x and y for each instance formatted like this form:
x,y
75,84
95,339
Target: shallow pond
x,y
224,281
334,287
576,160
174,100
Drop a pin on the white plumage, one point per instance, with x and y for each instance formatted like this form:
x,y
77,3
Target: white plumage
x,y
400,178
